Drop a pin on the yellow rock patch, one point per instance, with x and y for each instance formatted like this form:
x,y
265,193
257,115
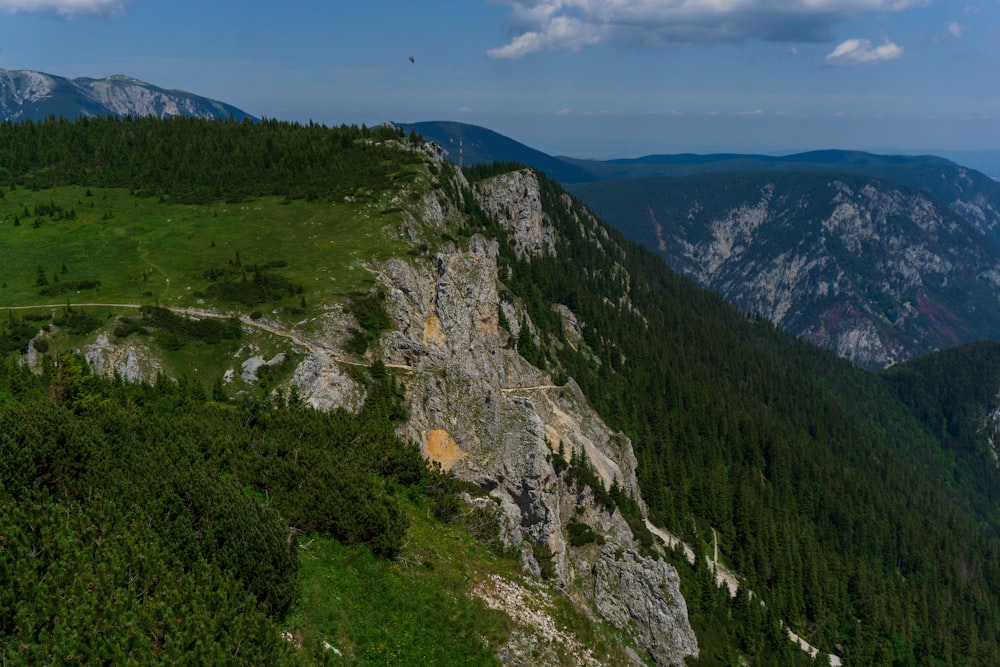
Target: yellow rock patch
x,y
441,448
432,331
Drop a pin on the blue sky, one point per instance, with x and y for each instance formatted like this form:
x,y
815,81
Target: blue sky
x,y
584,78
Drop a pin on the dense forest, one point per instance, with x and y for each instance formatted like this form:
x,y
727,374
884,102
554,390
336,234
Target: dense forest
x,y
151,523
191,160
835,505
834,499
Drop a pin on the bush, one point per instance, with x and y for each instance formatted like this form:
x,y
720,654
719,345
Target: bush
x,y
581,533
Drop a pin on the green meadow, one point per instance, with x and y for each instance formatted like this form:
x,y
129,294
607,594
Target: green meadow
x,y
143,251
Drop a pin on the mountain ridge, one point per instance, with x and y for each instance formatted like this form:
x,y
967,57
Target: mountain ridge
x,y
34,95
881,315
494,321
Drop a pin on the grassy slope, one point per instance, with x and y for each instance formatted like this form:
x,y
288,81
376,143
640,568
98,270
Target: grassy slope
x,y
149,252
156,251
419,609
373,610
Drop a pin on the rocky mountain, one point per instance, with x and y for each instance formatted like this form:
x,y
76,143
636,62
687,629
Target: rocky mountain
x,y
31,95
877,286
876,272
968,192
624,441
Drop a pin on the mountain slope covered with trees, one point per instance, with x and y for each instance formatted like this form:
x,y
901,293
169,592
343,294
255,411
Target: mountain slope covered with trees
x,y
827,493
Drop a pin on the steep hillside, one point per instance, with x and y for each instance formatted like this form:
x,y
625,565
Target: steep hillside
x,y
480,145
956,394
31,95
576,398
268,304
875,272
971,194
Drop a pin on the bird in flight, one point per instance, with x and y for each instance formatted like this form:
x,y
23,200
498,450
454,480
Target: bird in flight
x,y
412,59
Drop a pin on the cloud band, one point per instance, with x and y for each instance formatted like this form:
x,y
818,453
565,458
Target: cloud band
x,y
570,25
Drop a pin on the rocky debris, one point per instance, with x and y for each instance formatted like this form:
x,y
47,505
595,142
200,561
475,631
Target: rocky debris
x,y
537,643
643,596
572,326
515,200
254,364
324,386
129,361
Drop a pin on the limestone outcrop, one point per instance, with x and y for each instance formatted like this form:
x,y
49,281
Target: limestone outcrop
x,y
481,411
643,593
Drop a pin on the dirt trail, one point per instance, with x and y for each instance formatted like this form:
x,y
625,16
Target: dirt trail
x,y
508,390
724,576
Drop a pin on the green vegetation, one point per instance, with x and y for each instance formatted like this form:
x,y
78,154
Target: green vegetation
x,y
827,497
173,330
117,226
144,524
953,393
239,516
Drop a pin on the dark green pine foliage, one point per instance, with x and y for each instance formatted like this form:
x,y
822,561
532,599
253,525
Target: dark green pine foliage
x,y
827,497
145,524
954,393
191,160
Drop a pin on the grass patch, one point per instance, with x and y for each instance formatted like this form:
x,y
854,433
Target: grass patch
x,y
416,610
147,252
413,610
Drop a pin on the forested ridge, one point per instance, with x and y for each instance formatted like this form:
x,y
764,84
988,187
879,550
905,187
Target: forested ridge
x,y
834,503
193,160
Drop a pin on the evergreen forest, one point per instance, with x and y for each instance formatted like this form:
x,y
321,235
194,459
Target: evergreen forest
x,y
166,521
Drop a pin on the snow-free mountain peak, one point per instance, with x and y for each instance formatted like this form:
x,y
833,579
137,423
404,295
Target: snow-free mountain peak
x,y
32,95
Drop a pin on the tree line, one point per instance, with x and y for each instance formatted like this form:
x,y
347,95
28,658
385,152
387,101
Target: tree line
x,y
827,496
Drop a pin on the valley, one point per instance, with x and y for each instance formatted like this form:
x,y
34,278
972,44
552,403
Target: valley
x,y
299,343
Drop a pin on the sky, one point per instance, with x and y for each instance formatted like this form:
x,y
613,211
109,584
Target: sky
x,y
583,78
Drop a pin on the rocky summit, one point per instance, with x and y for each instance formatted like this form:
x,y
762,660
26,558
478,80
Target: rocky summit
x,y
31,95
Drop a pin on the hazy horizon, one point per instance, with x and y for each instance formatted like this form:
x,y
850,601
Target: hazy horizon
x,y
565,76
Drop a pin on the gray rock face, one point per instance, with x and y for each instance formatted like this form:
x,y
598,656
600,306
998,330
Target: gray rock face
x,y
131,362
479,410
872,271
643,595
514,199
324,386
26,94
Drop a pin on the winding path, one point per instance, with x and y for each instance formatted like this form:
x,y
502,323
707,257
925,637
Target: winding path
x,y
723,575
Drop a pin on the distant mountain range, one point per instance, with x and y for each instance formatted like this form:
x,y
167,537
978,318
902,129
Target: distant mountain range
x,y
879,258
31,95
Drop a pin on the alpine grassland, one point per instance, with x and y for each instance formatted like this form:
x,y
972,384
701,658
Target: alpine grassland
x,y
205,514
117,247
204,518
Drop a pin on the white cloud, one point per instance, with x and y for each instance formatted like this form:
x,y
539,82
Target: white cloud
x,y
63,7
861,51
955,29
570,25
561,33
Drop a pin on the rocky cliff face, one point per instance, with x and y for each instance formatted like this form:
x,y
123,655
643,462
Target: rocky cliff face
x,y
26,94
876,272
479,410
